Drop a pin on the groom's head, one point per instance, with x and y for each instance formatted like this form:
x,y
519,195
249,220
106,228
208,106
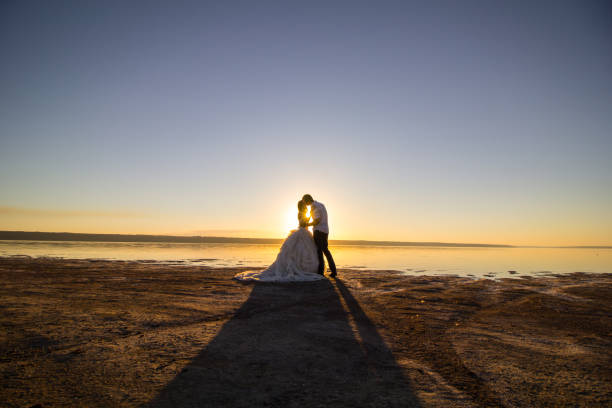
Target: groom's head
x,y
307,199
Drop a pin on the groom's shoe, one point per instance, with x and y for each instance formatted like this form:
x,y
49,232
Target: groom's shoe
x,y
333,274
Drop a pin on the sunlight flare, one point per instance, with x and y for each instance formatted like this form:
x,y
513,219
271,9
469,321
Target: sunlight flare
x,y
291,221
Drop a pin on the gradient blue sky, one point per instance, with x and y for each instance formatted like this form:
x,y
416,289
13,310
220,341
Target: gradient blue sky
x,y
472,121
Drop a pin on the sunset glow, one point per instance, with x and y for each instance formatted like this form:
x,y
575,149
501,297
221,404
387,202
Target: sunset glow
x,y
292,221
409,123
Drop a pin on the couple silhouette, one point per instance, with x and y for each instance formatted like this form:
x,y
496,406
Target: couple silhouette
x,y
300,258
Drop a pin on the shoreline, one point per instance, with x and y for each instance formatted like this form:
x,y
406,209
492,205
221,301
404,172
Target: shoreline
x,y
127,333
200,239
196,239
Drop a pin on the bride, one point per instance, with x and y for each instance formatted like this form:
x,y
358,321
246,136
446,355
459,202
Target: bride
x,y
297,259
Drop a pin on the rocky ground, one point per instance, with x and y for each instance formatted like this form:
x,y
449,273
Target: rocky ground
x,y
105,333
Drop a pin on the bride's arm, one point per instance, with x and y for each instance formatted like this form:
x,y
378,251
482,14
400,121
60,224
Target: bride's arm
x,y
314,222
316,217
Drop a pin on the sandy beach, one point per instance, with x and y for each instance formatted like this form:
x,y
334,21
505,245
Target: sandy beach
x,y
114,333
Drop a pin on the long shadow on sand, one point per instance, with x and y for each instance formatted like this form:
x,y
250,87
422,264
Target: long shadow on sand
x,y
307,344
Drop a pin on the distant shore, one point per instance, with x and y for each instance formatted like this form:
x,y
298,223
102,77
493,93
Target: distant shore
x,y
73,236
70,236
127,333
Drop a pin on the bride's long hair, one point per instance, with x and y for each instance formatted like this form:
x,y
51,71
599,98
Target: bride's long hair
x,y
302,207
302,210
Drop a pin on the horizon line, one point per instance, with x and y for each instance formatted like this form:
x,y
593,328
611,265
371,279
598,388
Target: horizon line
x,y
106,237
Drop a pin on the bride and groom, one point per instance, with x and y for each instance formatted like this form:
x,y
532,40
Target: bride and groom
x,y
301,255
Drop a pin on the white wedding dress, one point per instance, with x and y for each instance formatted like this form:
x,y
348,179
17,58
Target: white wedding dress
x,y
296,262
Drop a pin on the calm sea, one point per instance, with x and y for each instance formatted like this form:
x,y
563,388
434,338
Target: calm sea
x,y
478,262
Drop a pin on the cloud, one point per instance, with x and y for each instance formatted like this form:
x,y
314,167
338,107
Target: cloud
x,y
38,212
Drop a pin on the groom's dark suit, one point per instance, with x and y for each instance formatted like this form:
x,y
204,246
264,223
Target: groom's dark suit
x,y
320,239
320,234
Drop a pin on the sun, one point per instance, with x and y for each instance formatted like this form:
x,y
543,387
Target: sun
x,y
291,221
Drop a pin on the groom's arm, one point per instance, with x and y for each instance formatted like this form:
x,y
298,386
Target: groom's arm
x,y
316,218
315,221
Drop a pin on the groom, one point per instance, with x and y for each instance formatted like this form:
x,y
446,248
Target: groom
x,y
320,233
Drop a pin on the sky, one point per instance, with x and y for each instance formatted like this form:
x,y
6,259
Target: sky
x,y
452,121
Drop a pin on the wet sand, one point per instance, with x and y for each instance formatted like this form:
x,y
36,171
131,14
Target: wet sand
x,y
112,333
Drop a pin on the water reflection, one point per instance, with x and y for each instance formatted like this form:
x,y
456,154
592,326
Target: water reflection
x,y
489,262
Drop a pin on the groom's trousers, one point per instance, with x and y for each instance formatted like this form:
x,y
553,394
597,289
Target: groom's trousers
x,y
320,239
